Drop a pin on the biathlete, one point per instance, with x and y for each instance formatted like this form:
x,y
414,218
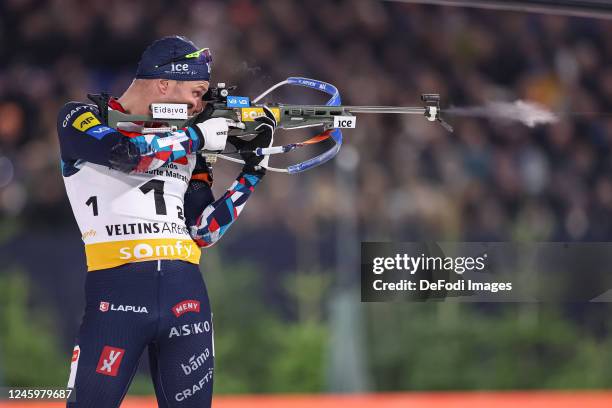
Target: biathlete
x,y
144,205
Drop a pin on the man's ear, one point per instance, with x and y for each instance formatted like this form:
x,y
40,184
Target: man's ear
x,y
162,86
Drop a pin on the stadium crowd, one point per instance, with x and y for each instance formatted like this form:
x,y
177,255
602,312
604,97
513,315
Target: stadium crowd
x,y
487,181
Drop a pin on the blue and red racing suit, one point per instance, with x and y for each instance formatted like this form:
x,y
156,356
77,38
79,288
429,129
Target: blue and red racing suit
x,y
144,207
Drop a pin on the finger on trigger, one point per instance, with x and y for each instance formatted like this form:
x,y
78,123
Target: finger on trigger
x,y
269,113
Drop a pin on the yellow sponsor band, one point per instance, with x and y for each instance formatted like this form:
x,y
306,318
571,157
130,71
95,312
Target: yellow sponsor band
x,y
85,121
106,255
249,114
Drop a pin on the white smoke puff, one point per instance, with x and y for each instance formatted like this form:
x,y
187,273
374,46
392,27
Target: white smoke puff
x,y
528,113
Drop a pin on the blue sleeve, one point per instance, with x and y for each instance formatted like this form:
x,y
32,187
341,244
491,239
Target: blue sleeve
x,y
199,193
83,135
218,216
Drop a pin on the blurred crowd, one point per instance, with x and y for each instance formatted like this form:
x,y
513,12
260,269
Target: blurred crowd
x,y
413,180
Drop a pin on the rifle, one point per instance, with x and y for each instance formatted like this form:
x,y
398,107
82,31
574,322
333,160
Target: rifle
x,y
332,117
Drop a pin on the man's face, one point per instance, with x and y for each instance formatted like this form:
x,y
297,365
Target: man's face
x,y
189,92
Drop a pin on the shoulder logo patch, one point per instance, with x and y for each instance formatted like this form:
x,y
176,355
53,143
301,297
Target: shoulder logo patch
x,y
85,121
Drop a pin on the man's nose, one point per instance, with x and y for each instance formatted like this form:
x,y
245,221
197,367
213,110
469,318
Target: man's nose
x,y
198,105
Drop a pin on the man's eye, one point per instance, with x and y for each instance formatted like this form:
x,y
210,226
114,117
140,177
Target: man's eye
x,y
197,94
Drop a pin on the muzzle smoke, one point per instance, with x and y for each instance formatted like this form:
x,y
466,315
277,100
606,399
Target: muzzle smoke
x,y
528,113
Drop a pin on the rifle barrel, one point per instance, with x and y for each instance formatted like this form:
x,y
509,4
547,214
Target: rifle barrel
x,y
385,109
